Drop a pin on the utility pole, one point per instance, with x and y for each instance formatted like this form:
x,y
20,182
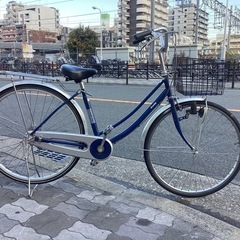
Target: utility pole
x,y
23,29
229,28
152,46
197,17
223,49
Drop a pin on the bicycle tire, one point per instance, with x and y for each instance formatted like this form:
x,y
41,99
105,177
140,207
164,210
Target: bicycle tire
x,y
18,159
214,163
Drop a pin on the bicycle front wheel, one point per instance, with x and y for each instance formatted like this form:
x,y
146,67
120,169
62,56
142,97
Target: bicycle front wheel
x,y
215,135
20,112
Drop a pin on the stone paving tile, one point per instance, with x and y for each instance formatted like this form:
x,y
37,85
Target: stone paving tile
x,y
16,187
8,224
107,218
136,233
15,213
89,231
8,196
6,238
83,204
5,180
103,199
30,205
129,202
51,196
71,210
148,213
146,226
124,208
69,185
89,195
22,233
116,237
67,235
164,218
50,222
4,192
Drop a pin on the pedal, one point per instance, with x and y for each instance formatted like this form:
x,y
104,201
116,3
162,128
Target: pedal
x,y
94,162
56,157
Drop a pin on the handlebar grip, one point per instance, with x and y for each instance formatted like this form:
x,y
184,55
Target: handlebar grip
x,y
139,37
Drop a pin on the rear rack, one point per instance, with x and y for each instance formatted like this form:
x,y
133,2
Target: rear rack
x,y
22,76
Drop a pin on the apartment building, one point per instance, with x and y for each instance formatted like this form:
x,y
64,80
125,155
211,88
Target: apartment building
x,y
189,21
135,16
13,9
35,23
35,17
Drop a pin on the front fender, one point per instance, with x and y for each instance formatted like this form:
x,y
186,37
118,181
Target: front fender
x,y
49,85
160,111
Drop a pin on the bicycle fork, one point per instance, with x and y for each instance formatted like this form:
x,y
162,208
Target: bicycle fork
x,y
194,145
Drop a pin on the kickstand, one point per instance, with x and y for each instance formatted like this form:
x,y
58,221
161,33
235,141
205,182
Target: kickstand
x,y
30,191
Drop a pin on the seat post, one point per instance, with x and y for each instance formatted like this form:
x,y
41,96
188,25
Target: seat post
x,y
82,87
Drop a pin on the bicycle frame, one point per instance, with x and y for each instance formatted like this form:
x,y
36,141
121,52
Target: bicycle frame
x,y
58,141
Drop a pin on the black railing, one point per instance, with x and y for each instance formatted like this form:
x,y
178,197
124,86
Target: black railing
x,y
116,69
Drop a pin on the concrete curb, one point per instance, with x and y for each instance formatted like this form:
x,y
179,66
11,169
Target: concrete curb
x,y
208,223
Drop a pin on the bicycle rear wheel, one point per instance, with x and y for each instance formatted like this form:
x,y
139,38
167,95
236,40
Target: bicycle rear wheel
x,y
21,113
214,133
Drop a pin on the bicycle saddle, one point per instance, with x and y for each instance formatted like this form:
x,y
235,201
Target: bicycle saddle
x,y
76,73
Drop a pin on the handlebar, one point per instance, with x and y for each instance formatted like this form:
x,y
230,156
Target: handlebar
x,y
151,35
139,37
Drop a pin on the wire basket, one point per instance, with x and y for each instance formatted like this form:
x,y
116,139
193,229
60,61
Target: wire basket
x,y
202,77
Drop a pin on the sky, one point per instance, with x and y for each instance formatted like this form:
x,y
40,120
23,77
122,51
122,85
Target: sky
x,y
74,12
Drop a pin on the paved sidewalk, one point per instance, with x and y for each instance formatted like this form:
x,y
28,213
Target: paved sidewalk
x,y
93,208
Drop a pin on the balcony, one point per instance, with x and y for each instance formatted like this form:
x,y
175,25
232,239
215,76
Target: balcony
x,y
143,18
143,2
142,10
141,25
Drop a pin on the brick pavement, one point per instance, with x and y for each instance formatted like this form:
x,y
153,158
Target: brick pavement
x,y
73,209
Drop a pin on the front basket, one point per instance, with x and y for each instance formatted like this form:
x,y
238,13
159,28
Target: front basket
x,y
202,78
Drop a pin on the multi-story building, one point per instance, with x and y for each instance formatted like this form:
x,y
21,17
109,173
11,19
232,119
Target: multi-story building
x,y
13,9
39,17
21,23
189,21
9,33
135,15
35,17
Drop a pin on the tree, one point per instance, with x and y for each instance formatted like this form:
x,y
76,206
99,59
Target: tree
x,y
82,40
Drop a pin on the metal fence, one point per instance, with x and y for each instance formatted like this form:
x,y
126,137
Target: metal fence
x,y
117,69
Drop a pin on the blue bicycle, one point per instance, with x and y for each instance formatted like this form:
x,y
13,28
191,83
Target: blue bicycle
x,y
190,146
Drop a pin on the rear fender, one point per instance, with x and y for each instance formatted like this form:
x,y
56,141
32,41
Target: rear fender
x,y
49,85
